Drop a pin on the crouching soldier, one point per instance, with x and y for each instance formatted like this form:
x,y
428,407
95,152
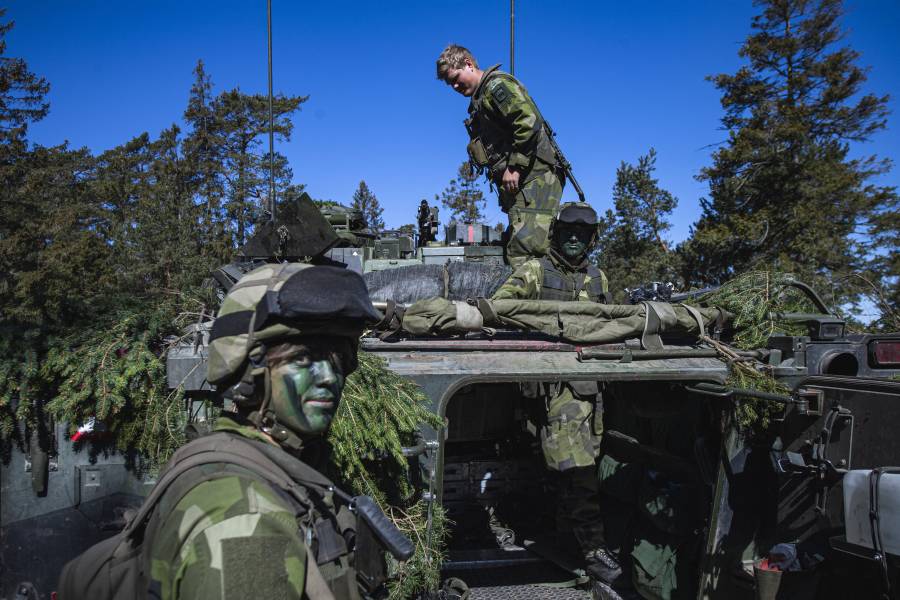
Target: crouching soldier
x,y
573,424
242,512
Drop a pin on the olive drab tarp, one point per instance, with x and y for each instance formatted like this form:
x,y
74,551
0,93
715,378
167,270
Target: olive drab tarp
x,y
579,322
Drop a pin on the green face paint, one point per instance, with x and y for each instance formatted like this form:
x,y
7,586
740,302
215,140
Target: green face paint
x,y
306,390
574,241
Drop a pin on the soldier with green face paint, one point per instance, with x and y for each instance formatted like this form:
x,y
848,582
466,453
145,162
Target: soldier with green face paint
x,y
242,512
281,347
566,273
573,428
512,144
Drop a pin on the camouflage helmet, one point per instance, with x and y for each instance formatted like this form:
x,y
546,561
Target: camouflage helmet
x,y
284,300
575,213
581,213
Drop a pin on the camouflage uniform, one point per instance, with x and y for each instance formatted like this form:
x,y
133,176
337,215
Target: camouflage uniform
x,y
230,525
238,513
572,432
507,130
528,281
226,532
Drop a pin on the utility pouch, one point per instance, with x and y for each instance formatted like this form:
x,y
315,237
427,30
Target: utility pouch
x,y
566,439
654,572
478,153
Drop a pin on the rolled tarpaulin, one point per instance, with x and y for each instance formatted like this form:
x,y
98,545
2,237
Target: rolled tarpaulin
x,y
579,322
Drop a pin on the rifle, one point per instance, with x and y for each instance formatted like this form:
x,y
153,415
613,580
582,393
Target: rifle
x,y
564,164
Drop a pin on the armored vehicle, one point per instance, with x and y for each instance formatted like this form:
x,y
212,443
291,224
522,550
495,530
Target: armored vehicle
x,y
694,505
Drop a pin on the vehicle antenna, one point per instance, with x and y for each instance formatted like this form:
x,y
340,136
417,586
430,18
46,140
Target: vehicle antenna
x,y
271,125
512,37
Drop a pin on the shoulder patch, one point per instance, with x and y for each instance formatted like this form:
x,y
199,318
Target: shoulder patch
x,y
499,93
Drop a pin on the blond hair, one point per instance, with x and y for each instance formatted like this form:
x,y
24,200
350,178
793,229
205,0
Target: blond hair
x,y
453,57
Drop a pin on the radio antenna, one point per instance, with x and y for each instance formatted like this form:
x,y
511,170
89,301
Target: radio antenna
x,y
271,125
512,37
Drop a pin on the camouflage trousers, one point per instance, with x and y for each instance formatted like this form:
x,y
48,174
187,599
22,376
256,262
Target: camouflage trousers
x,y
570,440
531,211
578,508
571,434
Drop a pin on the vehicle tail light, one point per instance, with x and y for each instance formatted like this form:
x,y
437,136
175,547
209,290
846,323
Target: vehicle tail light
x,y
885,353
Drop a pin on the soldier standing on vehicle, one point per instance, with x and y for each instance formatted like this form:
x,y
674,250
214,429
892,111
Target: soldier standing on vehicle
x,y
280,349
512,143
572,431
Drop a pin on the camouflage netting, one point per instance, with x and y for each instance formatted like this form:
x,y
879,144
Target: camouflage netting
x,y
456,281
580,322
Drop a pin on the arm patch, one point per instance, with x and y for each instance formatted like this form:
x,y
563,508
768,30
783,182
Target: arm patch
x,y
500,94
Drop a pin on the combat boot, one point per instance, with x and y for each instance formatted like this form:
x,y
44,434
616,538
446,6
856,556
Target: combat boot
x,y
602,564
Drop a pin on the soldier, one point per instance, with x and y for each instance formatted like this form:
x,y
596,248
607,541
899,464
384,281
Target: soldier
x,y
512,143
572,430
234,535
237,513
565,273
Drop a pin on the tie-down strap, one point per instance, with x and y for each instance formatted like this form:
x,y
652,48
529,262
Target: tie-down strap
x,y
659,316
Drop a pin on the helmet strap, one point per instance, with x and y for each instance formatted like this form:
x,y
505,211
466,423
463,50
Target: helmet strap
x,y
259,366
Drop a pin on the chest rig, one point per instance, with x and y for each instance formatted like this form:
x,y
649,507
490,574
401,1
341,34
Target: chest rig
x,y
561,285
491,135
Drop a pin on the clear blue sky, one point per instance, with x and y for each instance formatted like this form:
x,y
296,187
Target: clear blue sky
x,y
614,78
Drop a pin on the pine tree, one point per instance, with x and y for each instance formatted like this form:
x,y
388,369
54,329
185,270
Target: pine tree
x,y
783,193
884,249
50,233
54,259
243,123
22,93
463,196
632,248
99,255
202,149
366,202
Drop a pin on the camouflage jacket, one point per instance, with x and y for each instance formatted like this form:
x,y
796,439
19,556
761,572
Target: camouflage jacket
x,y
508,125
234,536
530,281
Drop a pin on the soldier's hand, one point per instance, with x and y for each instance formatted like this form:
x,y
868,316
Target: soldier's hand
x,y
510,181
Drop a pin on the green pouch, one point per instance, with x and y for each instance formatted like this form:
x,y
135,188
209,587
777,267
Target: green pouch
x,y
478,153
566,439
653,573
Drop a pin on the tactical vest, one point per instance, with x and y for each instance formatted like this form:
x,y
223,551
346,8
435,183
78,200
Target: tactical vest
x,y
491,138
559,285
119,567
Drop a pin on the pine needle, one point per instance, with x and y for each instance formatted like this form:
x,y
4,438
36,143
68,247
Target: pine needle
x,y
380,413
755,299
